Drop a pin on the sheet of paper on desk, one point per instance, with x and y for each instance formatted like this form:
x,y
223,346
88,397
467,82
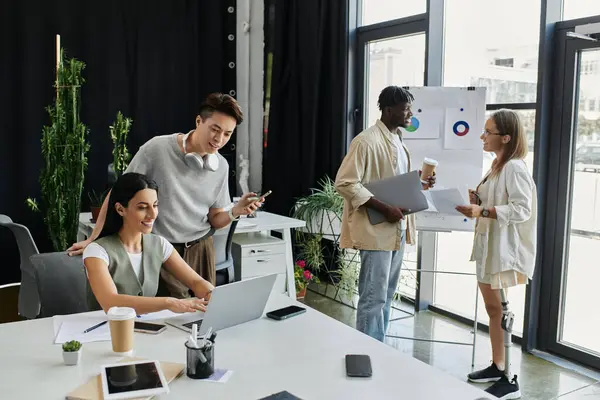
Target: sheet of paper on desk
x,y
164,314
71,327
219,376
446,200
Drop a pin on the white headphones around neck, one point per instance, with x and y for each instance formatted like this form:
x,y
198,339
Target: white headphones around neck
x,y
209,161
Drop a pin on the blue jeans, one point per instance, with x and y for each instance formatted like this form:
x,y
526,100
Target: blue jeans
x,y
377,282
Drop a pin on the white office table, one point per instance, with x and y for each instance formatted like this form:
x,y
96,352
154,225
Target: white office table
x,y
303,355
264,222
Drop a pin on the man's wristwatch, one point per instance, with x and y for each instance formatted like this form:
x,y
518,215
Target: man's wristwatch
x,y
485,212
231,217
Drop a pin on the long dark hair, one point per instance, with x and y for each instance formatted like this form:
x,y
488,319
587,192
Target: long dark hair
x,y
124,190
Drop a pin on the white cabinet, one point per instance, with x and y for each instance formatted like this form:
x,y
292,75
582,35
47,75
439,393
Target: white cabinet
x,y
259,254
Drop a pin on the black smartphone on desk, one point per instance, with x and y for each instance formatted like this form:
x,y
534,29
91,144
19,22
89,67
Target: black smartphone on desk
x,y
148,327
286,312
358,366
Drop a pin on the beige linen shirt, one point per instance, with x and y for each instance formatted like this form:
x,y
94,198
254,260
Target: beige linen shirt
x,y
372,157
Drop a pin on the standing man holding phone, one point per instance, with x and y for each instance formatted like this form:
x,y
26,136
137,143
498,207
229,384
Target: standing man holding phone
x,y
377,153
194,196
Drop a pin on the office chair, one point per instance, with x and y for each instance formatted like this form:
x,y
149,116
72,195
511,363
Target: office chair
x,y
223,257
29,301
61,283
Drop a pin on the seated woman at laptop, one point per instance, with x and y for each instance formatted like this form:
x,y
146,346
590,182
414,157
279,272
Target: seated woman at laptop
x,y
123,265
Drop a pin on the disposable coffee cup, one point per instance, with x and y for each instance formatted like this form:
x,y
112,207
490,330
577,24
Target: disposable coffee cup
x,y
121,321
428,169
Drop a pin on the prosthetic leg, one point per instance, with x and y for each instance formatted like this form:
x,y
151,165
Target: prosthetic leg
x,y
506,388
507,322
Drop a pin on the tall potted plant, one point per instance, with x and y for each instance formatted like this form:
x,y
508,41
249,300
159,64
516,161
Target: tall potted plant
x,y
64,148
119,131
319,241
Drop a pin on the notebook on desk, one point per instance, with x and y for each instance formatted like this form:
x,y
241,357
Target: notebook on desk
x,y
92,389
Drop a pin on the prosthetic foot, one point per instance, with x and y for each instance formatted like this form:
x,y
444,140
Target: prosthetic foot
x,y
505,388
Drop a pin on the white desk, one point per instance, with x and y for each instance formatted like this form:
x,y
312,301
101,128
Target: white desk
x,y
303,355
264,222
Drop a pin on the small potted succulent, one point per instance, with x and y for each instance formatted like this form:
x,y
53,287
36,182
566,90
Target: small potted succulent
x,y
71,352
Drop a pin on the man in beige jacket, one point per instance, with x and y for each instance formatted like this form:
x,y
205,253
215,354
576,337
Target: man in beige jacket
x,y
377,153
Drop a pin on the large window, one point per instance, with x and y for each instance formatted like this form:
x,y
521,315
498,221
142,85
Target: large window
x,y
580,8
487,52
375,11
490,51
396,61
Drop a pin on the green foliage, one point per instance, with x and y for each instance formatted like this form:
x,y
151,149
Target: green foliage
x,y
349,269
311,250
312,207
73,345
64,149
32,204
96,199
119,131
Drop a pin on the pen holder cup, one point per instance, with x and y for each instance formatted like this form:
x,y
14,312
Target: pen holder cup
x,y
200,361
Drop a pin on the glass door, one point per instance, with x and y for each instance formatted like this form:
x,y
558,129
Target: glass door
x,y
574,319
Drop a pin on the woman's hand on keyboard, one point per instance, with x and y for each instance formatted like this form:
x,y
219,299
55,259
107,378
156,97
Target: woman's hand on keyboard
x,y
186,305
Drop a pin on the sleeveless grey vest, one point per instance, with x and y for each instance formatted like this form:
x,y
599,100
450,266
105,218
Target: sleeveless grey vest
x,y
121,270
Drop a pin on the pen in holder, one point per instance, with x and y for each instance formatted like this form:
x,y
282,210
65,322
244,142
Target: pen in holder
x,y
200,360
200,355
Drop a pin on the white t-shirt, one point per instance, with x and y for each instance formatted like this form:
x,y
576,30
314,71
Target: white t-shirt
x,y
97,251
401,166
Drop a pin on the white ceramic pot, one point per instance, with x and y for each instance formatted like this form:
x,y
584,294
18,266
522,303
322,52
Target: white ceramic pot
x,y
72,357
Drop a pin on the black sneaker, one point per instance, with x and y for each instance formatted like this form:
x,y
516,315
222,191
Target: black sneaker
x,y
503,389
489,374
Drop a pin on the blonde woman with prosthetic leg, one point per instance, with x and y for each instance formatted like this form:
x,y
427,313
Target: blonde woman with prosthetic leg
x,y
504,247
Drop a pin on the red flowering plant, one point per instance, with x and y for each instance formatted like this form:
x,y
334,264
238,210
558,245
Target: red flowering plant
x,y
303,276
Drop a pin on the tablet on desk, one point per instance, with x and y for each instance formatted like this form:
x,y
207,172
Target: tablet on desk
x,y
133,379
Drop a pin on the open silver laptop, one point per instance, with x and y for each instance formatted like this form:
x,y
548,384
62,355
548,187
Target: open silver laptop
x,y
230,305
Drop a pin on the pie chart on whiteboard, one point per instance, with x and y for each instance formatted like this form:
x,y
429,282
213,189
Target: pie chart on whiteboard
x,y
461,128
414,125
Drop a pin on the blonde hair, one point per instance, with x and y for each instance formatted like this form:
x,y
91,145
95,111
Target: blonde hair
x,y
509,123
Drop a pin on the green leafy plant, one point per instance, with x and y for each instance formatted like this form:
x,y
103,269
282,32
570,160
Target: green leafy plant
x,y
313,208
72,345
119,131
311,250
322,210
64,149
96,199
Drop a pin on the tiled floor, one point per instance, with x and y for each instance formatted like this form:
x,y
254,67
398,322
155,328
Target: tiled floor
x,y
539,379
